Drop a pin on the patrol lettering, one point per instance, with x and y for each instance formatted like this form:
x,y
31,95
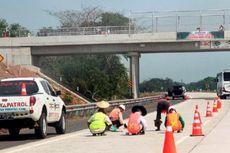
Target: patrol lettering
x,y
14,104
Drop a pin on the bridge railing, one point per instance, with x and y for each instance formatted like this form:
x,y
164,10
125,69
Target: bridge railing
x,y
142,22
88,109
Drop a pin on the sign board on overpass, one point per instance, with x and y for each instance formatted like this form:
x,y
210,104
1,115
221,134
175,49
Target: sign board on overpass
x,y
1,58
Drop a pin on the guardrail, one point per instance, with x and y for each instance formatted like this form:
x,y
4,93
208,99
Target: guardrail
x,y
89,109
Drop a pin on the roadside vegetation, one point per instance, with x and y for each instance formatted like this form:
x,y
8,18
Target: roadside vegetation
x,y
162,85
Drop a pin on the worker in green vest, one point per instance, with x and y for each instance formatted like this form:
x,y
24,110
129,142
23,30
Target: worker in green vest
x,y
99,122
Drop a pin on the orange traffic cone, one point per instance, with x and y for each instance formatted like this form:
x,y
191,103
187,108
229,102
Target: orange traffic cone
x,y
169,143
23,90
198,113
196,126
208,110
219,103
214,109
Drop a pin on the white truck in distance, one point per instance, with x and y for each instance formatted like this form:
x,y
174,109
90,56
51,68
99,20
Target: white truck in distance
x,y
30,103
223,84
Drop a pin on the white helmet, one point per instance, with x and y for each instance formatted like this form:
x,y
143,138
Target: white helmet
x,y
171,107
122,107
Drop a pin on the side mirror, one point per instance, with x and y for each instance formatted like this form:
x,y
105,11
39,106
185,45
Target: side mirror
x,y
58,92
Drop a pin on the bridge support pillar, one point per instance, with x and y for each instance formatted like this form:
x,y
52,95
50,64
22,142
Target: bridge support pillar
x,y
36,60
134,73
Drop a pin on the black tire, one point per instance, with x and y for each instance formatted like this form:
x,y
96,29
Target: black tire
x,y
41,130
223,97
14,132
60,126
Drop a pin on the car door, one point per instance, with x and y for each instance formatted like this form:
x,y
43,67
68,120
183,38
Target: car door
x,y
49,102
55,104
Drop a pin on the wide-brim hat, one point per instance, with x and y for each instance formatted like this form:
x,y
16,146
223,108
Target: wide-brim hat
x,y
102,104
141,108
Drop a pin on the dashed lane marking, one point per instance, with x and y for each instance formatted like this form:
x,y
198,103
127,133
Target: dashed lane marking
x,y
181,140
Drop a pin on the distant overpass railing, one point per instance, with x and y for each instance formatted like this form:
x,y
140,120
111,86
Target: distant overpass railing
x,y
143,22
88,109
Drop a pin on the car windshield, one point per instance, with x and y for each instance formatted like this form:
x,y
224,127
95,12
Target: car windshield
x,y
177,87
226,76
14,88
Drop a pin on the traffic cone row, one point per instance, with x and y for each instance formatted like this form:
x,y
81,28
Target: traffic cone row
x,y
169,144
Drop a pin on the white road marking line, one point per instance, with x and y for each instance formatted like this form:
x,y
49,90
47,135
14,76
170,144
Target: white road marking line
x,y
36,144
181,140
206,122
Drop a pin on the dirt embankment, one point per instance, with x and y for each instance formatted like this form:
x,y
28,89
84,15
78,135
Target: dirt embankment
x,y
15,71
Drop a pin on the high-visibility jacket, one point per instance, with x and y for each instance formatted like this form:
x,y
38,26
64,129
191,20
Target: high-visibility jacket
x,y
173,120
98,121
114,115
134,123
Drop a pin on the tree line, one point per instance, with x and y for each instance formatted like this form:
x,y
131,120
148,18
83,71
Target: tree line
x,y
158,84
12,30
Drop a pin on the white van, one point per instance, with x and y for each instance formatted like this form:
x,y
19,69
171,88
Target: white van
x,y
223,84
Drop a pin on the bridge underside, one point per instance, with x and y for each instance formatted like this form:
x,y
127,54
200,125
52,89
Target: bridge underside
x,y
122,48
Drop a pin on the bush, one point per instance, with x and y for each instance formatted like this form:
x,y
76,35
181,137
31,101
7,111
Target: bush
x,y
68,98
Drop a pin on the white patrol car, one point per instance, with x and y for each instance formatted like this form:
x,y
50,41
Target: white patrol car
x,y
30,103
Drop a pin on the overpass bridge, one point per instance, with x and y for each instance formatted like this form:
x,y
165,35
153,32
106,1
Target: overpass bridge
x,y
132,41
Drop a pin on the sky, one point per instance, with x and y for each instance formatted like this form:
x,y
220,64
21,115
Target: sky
x,y
185,67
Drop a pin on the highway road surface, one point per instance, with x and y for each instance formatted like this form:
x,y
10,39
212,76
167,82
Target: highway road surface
x,y
73,124
215,129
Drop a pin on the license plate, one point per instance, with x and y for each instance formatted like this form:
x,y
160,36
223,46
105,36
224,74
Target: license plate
x,y
6,117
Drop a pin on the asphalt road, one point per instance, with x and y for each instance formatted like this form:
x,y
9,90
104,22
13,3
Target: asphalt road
x,y
73,124
213,130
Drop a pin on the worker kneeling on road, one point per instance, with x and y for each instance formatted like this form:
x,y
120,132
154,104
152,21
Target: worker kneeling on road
x,y
99,122
136,122
162,107
116,117
174,120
